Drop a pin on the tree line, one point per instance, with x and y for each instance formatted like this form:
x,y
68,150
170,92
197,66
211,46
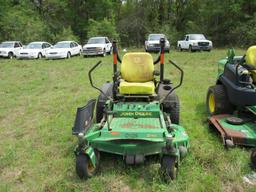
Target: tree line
x,y
225,22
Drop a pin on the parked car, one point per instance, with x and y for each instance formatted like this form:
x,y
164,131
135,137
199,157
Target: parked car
x,y
34,50
97,46
152,44
194,42
64,49
10,48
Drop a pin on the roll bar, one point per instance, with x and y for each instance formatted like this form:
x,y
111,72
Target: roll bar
x,y
180,83
161,59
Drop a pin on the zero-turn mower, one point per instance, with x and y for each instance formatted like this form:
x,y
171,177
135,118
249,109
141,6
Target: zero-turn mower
x,y
231,103
136,117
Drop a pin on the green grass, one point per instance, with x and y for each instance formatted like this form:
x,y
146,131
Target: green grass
x,y
38,101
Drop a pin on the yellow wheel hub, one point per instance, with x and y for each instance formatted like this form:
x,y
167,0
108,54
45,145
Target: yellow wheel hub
x,y
90,167
211,103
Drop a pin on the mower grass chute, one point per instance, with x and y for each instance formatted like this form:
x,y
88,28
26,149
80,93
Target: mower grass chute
x,y
231,103
136,117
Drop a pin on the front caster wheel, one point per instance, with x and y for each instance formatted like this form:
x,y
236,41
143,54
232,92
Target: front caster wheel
x,y
169,168
253,158
84,167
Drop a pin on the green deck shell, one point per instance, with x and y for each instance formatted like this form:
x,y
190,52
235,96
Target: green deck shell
x,y
136,128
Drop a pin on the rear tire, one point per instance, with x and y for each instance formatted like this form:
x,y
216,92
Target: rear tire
x,y
68,55
253,158
39,56
180,49
107,88
190,48
175,110
217,101
104,53
171,106
10,55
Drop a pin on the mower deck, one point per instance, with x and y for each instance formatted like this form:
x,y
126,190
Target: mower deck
x,y
243,134
132,131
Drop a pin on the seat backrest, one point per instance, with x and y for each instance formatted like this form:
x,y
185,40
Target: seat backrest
x,y
250,56
137,67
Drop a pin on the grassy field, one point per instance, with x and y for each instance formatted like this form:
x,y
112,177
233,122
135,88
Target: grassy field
x,y
38,101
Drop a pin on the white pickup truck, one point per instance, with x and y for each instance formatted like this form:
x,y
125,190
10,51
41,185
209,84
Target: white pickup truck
x,y
194,42
97,46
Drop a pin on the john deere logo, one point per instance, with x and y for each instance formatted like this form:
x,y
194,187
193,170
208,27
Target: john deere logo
x,y
125,114
137,113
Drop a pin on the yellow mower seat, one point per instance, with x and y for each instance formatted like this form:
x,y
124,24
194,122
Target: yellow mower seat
x,y
137,74
250,59
137,88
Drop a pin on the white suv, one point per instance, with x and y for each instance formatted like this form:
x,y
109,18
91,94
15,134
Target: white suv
x,y
10,48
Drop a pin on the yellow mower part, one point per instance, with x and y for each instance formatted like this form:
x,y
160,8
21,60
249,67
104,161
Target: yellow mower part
x,y
250,56
211,103
137,67
137,88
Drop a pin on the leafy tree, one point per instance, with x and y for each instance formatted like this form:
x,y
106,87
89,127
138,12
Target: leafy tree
x,y
105,27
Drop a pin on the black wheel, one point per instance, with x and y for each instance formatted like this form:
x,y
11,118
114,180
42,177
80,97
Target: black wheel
x,y
253,158
190,48
68,55
171,106
39,56
217,101
10,55
84,167
107,88
104,53
180,49
175,110
169,167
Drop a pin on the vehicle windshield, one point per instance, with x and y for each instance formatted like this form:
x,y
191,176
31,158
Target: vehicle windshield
x,y
197,37
155,37
62,45
96,41
6,45
34,46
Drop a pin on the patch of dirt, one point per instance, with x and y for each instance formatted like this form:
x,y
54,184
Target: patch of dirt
x,y
117,185
15,175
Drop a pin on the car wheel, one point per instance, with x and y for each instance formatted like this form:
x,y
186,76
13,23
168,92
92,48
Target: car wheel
x,y
190,48
10,55
104,53
39,56
179,48
68,55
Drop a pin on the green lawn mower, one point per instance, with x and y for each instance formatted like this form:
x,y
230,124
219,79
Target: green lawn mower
x,y
231,103
137,117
